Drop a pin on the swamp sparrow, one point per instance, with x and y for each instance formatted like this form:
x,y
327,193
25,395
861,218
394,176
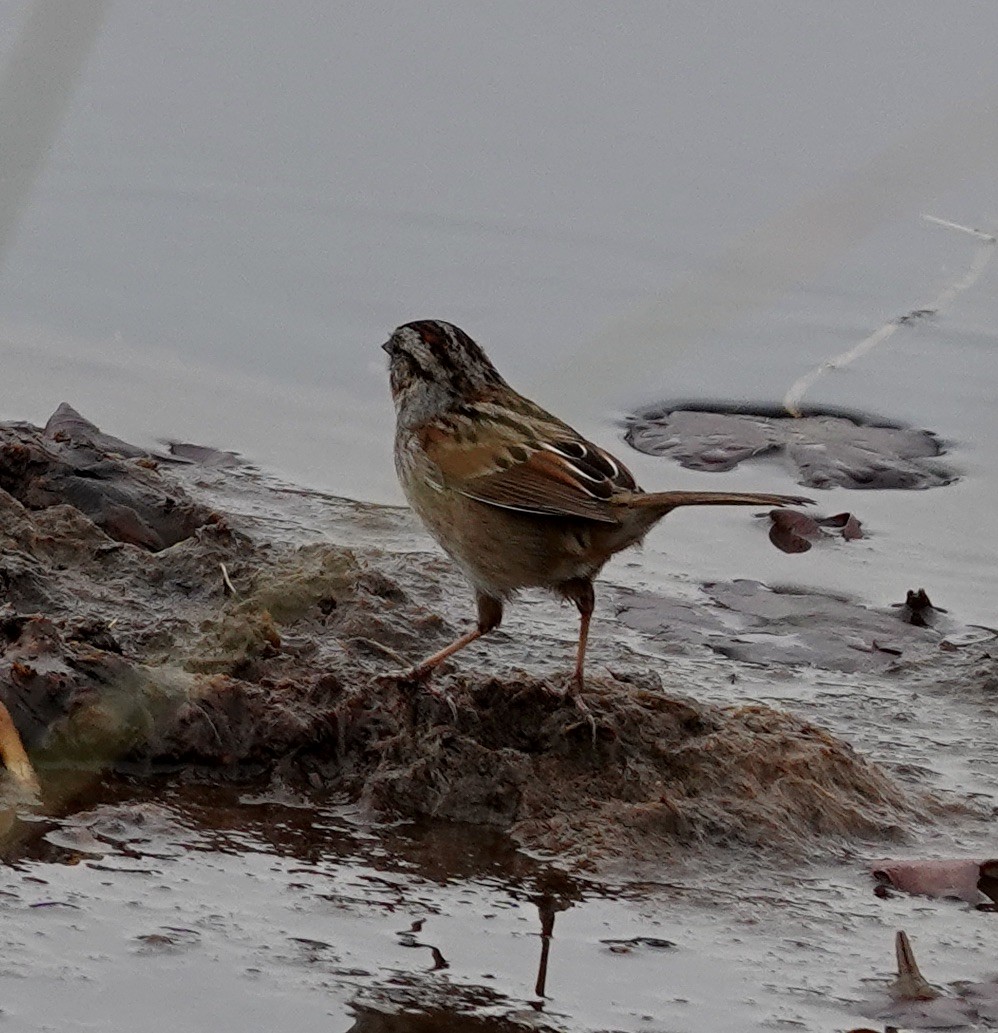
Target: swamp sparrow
x,y
515,497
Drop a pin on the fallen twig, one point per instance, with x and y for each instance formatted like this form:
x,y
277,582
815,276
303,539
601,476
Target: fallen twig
x,y
794,396
227,582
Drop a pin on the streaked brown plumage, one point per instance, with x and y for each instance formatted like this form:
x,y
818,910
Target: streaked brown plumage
x,y
517,498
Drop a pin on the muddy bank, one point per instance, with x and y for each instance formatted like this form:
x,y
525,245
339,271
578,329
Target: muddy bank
x,y
143,630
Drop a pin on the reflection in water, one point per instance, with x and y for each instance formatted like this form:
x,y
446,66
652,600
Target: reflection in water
x,y
557,893
370,1020
545,908
407,938
113,821
399,928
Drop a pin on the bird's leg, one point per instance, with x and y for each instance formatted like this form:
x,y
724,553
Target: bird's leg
x,y
585,616
489,618
425,667
580,591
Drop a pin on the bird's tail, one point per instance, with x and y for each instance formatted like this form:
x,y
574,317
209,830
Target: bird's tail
x,y
665,501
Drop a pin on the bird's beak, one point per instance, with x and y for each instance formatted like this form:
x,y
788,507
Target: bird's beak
x,y
388,346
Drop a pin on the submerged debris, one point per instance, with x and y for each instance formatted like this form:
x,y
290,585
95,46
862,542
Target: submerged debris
x,y
917,609
822,451
203,455
751,622
914,1003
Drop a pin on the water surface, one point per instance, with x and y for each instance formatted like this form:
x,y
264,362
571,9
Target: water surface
x,y
623,204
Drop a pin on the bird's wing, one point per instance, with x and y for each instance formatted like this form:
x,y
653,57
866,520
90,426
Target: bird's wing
x,y
525,461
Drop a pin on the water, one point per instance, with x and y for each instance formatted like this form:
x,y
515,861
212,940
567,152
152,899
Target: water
x,y
671,201
624,204
213,909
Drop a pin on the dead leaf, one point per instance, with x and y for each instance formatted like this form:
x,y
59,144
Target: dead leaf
x,y
792,531
847,523
968,879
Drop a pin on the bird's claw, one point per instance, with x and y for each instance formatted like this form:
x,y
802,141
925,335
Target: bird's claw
x,y
419,677
444,697
575,694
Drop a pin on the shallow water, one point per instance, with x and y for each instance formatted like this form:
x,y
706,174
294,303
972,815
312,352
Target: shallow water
x,y
211,908
672,201
683,201
153,900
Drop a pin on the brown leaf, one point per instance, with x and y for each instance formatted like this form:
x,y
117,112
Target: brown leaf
x,y
791,529
964,879
847,523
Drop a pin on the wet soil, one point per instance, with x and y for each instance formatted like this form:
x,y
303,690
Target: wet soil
x,y
244,650
143,628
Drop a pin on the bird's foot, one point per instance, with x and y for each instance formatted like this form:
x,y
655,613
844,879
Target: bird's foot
x,y
574,693
445,697
419,677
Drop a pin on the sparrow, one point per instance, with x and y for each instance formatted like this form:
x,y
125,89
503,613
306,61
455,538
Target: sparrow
x,y
516,497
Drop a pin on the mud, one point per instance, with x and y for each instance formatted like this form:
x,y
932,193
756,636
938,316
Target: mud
x,y
206,648
85,476
751,622
820,450
222,719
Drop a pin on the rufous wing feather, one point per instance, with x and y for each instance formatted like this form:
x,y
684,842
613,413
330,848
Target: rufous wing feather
x,y
543,486
567,476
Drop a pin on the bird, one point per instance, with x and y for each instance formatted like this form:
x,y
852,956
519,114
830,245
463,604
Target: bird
x,y
515,496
